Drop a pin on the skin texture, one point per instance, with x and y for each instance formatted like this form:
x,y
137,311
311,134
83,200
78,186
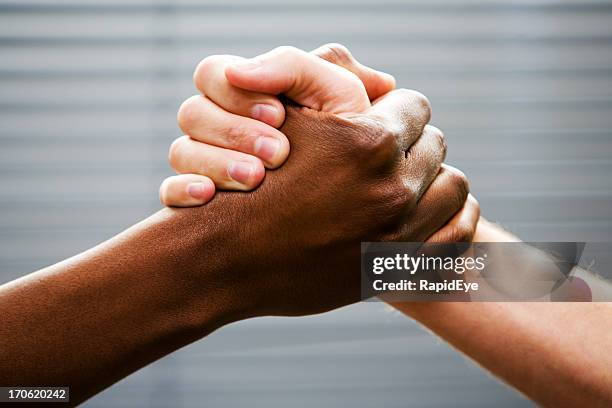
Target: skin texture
x,y
221,132
289,248
356,182
557,354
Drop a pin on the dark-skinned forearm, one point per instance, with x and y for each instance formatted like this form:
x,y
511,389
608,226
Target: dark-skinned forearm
x,y
93,319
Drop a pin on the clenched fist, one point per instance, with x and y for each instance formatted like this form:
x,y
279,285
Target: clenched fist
x,y
364,166
291,247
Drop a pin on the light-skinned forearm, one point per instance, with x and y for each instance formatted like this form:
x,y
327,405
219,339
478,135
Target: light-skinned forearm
x,y
557,354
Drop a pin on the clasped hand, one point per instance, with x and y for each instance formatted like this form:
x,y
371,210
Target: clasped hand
x,y
355,161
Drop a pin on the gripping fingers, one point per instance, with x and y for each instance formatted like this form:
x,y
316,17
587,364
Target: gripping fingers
x,y
227,168
462,227
405,111
376,83
206,122
209,78
444,198
304,78
186,190
423,160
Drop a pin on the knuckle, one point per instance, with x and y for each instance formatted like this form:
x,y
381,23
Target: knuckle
x,y
176,151
419,101
204,68
409,197
423,102
353,81
336,53
460,184
399,207
287,51
460,232
236,135
438,136
463,232
391,202
378,141
256,176
410,193
238,103
188,113
163,191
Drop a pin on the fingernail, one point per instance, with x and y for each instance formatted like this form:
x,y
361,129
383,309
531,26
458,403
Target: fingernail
x,y
266,148
247,65
240,171
265,113
196,190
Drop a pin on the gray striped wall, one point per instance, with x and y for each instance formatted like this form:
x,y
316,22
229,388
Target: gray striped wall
x,y
88,94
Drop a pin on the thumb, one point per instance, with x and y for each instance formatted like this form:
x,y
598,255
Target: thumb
x,y
376,83
304,78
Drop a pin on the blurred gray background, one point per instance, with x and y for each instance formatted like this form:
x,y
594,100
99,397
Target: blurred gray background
x,y
88,95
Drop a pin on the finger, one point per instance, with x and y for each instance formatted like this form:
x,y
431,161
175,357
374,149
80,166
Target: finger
x,y
304,78
206,122
186,190
376,83
422,161
209,78
443,199
405,111
228,169
462,226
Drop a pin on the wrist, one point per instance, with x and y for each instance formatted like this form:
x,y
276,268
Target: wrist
x,y
196,260
486,231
